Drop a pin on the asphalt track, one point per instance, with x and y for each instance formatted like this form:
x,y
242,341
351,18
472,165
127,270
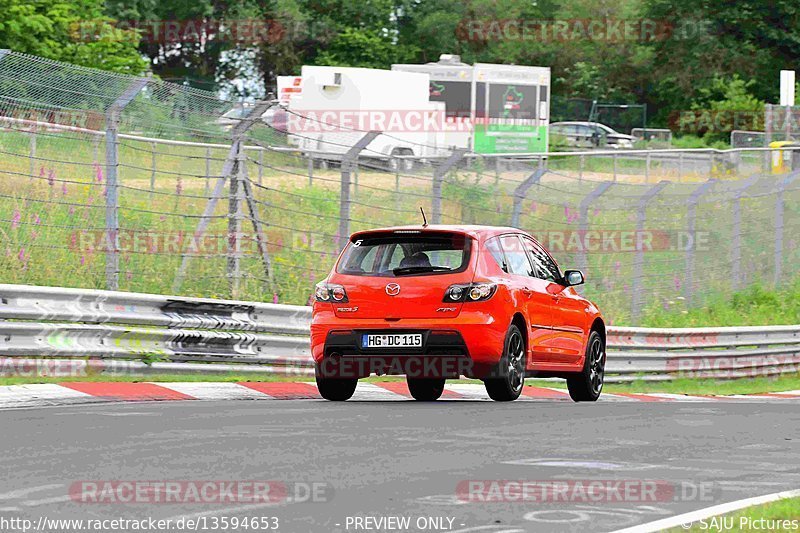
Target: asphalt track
x,y
401,458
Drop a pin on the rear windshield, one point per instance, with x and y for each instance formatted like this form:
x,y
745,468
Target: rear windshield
x,y
405,254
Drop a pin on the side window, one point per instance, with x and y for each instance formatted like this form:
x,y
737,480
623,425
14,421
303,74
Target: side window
x,y
538,268
493,246
546,267
518,262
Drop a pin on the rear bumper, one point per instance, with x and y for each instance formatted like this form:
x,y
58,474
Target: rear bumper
x,y
468,345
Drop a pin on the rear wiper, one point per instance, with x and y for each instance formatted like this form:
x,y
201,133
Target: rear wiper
x,y
413,270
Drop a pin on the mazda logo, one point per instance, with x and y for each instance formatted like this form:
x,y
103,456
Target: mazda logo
x,y
393,289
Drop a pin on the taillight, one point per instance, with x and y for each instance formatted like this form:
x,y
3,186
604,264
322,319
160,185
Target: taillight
x,y
330,292
469,292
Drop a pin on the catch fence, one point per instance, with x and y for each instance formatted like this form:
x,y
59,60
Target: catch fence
x,y
117,182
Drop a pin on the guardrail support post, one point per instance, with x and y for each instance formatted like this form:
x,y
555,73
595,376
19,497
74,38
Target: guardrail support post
x,y
439,173
691,222
637,296
522,191
736,235
112,193
348,162
583,221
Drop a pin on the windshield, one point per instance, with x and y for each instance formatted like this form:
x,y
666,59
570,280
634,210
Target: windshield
x,y
405,254
604,128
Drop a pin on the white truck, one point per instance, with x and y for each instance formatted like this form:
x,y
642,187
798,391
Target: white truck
x,y
337,106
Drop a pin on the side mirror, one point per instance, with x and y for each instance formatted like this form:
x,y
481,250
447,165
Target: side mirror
x,y
573,277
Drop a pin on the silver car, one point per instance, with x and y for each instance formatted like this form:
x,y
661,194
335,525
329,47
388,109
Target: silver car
x,y
590,135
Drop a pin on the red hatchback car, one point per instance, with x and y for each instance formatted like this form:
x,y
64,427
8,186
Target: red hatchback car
x,y
440,302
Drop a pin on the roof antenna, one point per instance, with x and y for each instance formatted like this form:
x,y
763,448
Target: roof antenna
x,y
424,218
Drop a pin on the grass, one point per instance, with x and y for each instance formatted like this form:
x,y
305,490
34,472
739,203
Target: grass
x,y
754,306
722,387
51,220
680,386
748,519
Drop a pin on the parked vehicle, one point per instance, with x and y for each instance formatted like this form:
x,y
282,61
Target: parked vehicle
x,y
337,106
439,302
590,135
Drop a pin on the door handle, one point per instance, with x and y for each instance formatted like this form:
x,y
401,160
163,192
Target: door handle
x,y
526,290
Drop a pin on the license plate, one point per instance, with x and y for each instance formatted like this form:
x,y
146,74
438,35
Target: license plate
x,y
397,340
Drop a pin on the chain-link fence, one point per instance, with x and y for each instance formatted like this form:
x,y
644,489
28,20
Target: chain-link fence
x,y
111,181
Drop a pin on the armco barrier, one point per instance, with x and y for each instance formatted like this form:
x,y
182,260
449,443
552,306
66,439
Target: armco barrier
x,y
142,333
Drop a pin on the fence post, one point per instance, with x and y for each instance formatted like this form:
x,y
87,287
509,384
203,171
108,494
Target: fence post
x,y
153,167
522,191
96,149
208,170
583,221
32,152
260,165
637,295
736,236
439,173
355,176
112,193
691,220
348,161
228,169
779,208
614,159
233,264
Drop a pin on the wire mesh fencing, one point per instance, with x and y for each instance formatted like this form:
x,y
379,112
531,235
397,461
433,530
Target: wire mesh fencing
x,y
111,181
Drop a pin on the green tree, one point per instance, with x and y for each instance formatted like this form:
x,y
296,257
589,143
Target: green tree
x,y
76,31
363,48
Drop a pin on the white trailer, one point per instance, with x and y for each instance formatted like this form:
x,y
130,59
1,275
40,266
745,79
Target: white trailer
x,y
504,109
337,106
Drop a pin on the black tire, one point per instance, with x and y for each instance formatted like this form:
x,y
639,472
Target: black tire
x,y
425,389
508,377
587,385
336,389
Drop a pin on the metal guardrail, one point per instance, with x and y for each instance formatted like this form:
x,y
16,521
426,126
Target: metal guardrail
x,y
143,333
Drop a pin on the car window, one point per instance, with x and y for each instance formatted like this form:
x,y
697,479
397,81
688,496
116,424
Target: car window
x,y
405,253
493,246
538,268
546,268
516,257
